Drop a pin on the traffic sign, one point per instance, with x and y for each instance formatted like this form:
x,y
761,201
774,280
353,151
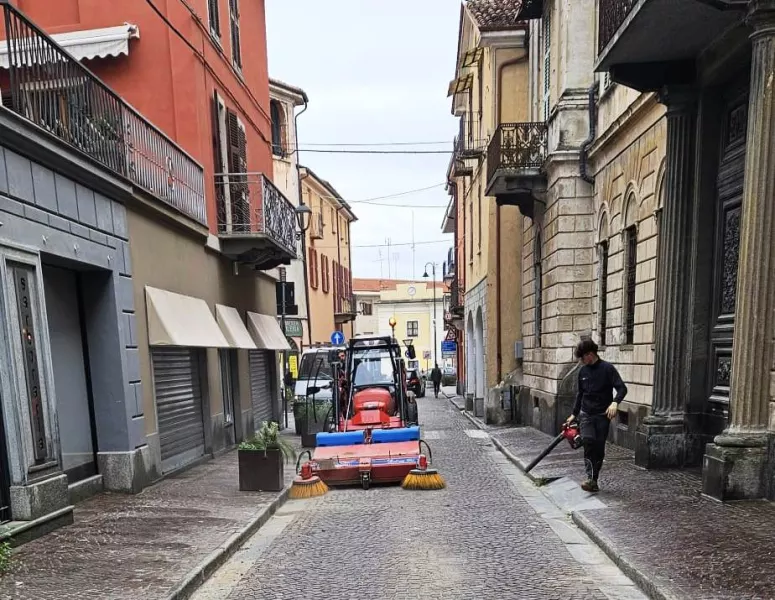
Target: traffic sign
x,y
452,334
426,354
337,338
450,347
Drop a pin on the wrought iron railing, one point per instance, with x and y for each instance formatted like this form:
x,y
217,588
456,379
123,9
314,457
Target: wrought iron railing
x,y
468,140
46,85
611,15
456,297
249,204
345,305
517,146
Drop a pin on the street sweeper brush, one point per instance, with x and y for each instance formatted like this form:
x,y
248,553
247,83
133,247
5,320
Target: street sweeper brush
x,y
423,478
570,432
307,485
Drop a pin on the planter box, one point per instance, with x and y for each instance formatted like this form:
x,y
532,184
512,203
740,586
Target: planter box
x,y
260,471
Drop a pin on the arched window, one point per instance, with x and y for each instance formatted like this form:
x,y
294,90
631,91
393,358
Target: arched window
x,y
602,281
278,128
538,283
630,236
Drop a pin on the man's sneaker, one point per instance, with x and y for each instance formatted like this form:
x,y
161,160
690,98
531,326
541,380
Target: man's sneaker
x,y
590,486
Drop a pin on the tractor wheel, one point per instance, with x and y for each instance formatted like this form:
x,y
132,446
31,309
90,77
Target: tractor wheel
x,y
411,412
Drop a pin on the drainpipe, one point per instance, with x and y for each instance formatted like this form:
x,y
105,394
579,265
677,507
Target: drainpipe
x,y
583,156
303,233
498,302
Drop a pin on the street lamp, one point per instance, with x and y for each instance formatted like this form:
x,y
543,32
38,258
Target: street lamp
x,y
435,340
303,217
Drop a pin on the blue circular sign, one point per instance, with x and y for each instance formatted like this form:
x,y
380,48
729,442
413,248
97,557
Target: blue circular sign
x,y
337,338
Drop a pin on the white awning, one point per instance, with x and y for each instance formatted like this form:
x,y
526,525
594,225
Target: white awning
x,y
233,328
177,320
266,332
84,44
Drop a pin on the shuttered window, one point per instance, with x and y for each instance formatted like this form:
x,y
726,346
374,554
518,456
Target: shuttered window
x,y
214,17
218,162
547,61
238,164
313,269
325,273
236,52
631,263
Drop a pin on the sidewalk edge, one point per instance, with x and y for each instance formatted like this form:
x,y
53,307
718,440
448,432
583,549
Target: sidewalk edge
x,y
639,577
202,572
600,540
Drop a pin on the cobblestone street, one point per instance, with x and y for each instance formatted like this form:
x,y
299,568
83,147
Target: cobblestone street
x,y
490,534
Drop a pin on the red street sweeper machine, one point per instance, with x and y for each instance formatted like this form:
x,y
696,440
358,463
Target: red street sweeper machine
x,y
375,434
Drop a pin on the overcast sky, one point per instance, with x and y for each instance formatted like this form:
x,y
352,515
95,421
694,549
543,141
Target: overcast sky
x,y
375,71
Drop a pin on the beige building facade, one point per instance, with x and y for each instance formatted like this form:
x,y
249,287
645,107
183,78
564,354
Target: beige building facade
x,y
329,274
489,90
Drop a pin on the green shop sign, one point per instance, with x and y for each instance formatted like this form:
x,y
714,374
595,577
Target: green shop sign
x,y
293,328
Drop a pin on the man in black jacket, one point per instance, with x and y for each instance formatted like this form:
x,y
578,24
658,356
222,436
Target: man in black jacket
x,y
595,407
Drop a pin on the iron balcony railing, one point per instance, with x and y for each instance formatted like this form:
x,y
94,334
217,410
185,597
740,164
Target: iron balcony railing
x,y
517,146
47,86
345,305
468,143
456,298
611,15
249,205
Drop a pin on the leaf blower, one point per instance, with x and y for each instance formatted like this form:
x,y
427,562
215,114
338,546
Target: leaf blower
x,y
570,431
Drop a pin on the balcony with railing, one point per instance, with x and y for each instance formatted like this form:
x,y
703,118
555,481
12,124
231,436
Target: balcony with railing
x,y
647,44
256,222
449,266
515,165
42,83
345,309
456,299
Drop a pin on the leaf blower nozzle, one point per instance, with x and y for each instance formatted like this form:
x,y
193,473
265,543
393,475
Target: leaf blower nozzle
x,y
570,431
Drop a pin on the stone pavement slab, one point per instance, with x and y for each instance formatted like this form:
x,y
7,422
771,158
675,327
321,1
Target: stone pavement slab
x,y
481,538
657,526
124,547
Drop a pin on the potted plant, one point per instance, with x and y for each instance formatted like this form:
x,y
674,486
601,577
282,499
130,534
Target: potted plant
x,y
261,460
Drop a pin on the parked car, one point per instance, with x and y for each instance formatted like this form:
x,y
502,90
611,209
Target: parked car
x,y
415,383
448,376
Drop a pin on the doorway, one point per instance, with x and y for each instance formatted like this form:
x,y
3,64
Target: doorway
x,y
72,379
728,211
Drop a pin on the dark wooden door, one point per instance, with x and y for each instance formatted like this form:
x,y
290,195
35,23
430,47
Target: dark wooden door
x,y
729,199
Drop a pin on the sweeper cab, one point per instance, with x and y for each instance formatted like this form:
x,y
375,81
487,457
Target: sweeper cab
x,y
375,435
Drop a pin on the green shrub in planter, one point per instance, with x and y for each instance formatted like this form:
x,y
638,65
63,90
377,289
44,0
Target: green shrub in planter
x,y
261,460
315,421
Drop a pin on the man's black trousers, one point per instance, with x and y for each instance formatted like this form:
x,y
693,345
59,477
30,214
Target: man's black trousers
x,y
594,432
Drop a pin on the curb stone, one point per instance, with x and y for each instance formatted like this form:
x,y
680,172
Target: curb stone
x,y
605,544
199,574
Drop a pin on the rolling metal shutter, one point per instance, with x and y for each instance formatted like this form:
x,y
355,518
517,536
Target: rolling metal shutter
x,y
178,394
261,367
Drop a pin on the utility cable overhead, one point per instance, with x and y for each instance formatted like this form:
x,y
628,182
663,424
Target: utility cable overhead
x,y
331,151
385,245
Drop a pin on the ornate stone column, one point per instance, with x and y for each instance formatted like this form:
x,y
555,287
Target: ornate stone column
x,y
734,465
661,440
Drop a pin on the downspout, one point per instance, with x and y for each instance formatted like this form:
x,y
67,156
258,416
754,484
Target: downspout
x,y
584,153
498,302
303,233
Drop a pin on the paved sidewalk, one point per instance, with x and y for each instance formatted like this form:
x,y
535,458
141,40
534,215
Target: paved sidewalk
x,y
142,546
655,524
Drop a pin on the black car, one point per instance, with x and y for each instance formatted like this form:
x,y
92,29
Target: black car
x,y
415,383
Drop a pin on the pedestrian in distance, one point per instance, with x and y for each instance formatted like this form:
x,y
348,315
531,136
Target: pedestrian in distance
x,y
436,379
595,407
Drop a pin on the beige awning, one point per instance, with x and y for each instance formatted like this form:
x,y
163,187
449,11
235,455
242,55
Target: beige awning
x,y
266,332
233,328
177,320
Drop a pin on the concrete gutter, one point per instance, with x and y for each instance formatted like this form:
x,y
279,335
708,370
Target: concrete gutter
x,y
640,578
202,572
